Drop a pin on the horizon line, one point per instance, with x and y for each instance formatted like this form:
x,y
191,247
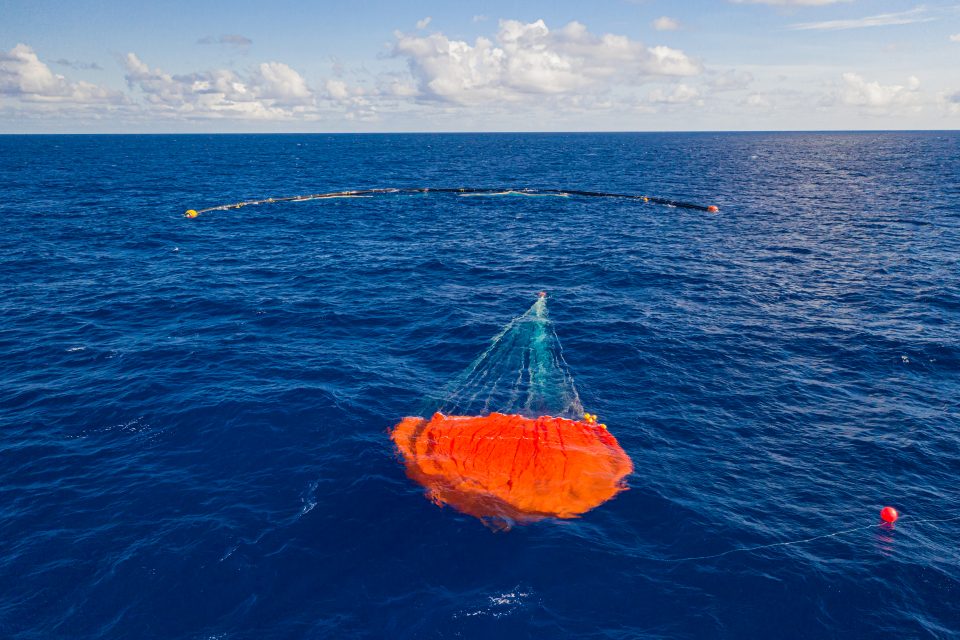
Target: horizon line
x,y
497,132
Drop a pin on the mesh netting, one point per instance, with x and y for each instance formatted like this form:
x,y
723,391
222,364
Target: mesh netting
x,y
522,372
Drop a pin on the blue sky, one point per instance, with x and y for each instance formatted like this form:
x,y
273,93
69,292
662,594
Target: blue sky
x,y
647,65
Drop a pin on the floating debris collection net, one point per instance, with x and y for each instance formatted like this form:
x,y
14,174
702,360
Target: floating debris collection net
x,y
522,372
509,442
460,191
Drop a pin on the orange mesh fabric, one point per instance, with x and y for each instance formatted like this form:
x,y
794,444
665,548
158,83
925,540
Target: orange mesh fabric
x,y
508,467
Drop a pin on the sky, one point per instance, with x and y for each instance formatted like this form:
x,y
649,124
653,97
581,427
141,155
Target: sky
x,y
558,65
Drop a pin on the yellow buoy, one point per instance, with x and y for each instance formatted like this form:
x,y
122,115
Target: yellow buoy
x,y
191,213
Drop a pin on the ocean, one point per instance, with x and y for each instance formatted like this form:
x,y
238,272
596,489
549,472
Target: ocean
x,y
195,413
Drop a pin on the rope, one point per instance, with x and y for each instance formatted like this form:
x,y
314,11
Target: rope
x,y
800,541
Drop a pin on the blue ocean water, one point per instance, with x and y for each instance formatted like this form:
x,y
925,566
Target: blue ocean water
x,y
193,436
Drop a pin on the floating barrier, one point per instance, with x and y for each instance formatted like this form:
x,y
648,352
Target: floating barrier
x,y
461,191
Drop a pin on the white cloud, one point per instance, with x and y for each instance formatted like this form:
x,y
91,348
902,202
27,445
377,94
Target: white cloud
x,y
666,23
422,24
279,82
680,94
337,89
955,37
665,61
857,91
521,75
24,76
911,16
528,59
355,101
270,91
273,90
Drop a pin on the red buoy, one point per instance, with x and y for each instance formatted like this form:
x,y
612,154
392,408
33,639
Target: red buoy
x,y
889,514
713,208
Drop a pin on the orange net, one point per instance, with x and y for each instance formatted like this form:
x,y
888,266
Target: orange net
x,y
509,468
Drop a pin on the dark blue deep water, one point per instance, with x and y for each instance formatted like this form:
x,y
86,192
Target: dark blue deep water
x,y
194,412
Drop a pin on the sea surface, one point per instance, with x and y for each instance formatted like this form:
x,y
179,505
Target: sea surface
x,y
194,413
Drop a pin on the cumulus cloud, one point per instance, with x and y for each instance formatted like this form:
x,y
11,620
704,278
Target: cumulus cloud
x,y
911,16
270,90
856,91
279,82
422,24
337,89
527,59
24,76
521,73
266,91
356,102
666,23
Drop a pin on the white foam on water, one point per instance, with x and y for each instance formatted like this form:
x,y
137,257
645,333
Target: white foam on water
x,y
499,605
